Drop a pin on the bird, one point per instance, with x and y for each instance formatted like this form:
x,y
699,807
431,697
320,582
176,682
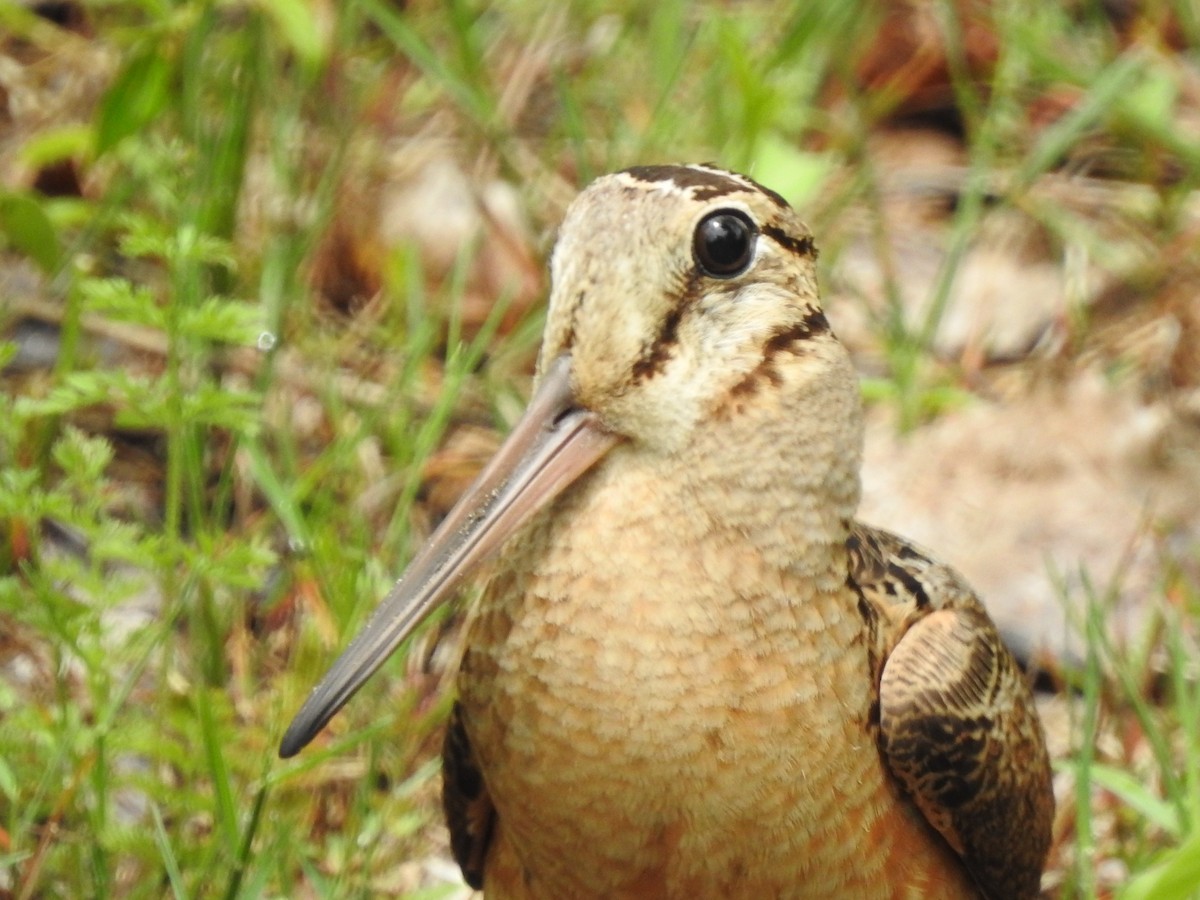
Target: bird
x,y
693,672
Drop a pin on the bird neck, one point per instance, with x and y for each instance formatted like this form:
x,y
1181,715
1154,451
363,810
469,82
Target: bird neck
x,y
781,469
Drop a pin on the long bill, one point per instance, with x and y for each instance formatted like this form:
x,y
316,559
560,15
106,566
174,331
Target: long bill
x,y
554,443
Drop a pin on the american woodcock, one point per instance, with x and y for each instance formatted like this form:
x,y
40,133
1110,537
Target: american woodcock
x,y
694,674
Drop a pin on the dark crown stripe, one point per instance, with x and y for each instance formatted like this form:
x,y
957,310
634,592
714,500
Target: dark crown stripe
x,y
705,183
771,195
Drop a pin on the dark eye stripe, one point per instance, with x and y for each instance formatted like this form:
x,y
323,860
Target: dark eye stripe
x,y
797,246
655,355
789,339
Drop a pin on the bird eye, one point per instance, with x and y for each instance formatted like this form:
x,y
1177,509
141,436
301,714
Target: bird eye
x,y
724,243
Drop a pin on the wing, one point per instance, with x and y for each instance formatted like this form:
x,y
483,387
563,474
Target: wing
x,y
469,811
957,726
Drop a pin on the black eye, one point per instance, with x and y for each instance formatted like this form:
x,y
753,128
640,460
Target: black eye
x,y
724,243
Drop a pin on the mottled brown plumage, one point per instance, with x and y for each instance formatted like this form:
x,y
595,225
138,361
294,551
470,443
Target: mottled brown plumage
x,y
957,724
694,675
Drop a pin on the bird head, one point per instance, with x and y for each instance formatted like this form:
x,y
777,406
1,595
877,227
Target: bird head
x,y
682,296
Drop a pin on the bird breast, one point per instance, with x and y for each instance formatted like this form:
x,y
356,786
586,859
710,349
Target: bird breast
x,y
644,667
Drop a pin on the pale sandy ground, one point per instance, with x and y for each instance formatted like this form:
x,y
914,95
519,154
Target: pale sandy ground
x,y
1073,469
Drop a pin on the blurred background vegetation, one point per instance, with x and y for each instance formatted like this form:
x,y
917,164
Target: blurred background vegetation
x,y
271,277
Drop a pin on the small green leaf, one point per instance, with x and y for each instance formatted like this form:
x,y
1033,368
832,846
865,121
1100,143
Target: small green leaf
x,y
297,21
796,174
8,782
1176,876
136,97
1151,102
1137,797
117,298
226,321
56,144
83,458
25,223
